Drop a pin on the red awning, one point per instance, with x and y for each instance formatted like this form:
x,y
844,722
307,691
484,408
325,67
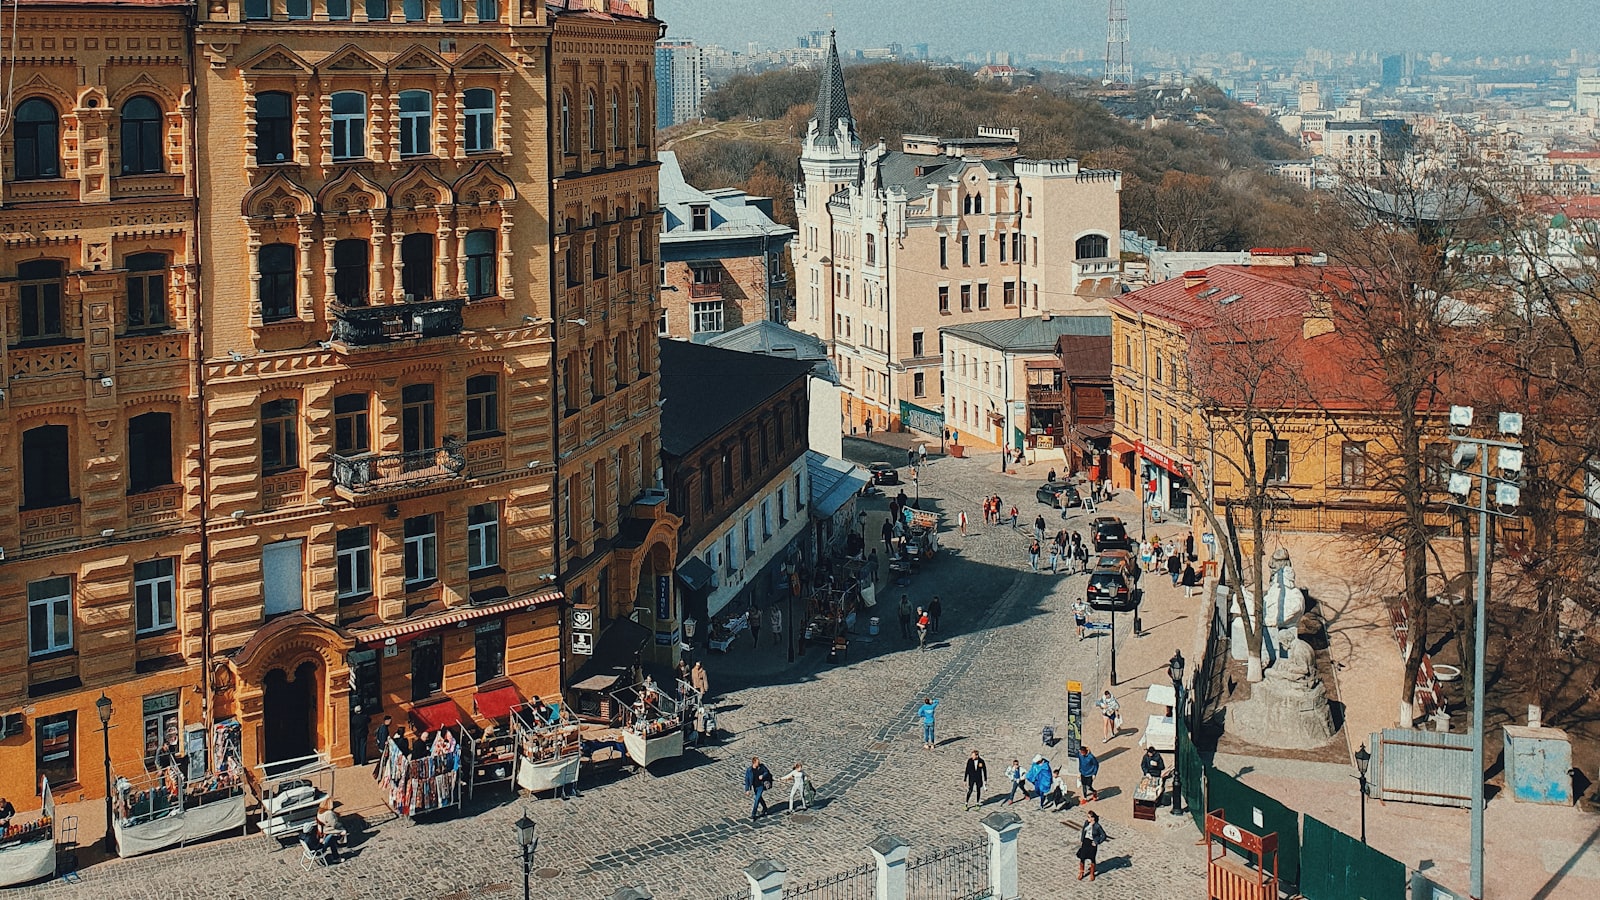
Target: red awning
x,y
381,634
1180,469
434,716
1118,445
497,703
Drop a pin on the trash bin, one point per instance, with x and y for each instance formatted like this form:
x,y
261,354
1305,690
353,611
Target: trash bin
x,y
872,625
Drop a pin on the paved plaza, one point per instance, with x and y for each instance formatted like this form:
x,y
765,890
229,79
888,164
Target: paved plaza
x,y
998,666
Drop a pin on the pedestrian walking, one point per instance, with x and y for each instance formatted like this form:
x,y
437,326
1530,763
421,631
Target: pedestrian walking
x,y
1188,546
961,522
1175,568
381,737
1019,781
1144,555
872,560
1080,615
697,677
1088,768
935,610
1190,579
905,617
1013,517
757,779
977,773
1038,527
911,456
1058,789
922,629
1092,837
925,713
1111,712
1033,555
755,626
1083,557
797,787
776,621
1105,490
888,535
1039,776
1055,556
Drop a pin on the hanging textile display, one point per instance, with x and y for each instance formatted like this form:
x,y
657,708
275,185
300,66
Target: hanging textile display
x,y
418,780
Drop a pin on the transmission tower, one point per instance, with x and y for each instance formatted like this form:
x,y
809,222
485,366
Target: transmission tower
x,y
1119,69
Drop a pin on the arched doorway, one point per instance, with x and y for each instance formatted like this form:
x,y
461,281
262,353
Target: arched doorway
x,y
288,710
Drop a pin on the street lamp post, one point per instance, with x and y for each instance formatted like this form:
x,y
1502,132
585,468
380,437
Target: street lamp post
x,y
103,707
1362,759
528,840
1175,672
1500,501
1113,642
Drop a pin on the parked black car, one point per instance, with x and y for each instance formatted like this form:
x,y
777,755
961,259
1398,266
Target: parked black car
x,y
1108,533
883,473
1111,584
1058,494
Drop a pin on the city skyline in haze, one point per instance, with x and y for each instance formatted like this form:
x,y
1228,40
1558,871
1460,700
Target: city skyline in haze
x,y
1461,27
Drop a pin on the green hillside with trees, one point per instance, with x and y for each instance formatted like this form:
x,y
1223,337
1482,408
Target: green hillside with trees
x,y
1197,182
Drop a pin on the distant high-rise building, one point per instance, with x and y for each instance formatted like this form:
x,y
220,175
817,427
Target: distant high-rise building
x,y
1587,97
680,82
1390,71
920,51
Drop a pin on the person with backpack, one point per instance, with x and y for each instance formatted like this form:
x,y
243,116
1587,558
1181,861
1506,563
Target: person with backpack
x,y
1092,836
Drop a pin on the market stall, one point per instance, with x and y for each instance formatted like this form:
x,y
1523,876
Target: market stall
x,y
495,760
290,792
28,850
548,748
428,776
183,801
654,729
831,612
724,630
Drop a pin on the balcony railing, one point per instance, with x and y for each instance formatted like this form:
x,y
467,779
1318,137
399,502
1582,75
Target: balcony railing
x,y
1043,394
711,291
364,326
372,472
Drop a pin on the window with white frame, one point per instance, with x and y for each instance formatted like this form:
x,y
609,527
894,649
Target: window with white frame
x,y
49,615
706,317
416,123
154,588
480,119
421,550
349,125
483,536
353,559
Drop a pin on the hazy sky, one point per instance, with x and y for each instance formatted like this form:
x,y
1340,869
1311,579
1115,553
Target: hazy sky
x,y
1452,26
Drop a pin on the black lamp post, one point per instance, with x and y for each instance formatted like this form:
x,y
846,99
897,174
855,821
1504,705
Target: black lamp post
x,y
1362,759
528,840
103,707
1175,672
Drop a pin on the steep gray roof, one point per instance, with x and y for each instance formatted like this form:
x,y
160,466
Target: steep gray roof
x,y
708,388
899,169
832,103
1034,335
733,215
771,339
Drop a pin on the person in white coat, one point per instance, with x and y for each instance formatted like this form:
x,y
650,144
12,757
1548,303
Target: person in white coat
x,y
797,788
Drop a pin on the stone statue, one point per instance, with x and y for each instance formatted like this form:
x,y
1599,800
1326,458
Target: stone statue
x,y
1289,708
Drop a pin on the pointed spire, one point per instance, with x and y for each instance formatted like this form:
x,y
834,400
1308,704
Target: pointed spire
x,y
832,103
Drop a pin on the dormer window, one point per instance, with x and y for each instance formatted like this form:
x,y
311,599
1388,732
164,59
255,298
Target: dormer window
x,y
700,217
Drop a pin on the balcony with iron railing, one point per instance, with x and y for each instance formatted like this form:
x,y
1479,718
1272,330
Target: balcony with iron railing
x,y
367,326
370,473
1044,395
708,291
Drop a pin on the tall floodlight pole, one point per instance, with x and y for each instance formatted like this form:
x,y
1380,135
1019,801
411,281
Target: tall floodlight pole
x,y
1497,495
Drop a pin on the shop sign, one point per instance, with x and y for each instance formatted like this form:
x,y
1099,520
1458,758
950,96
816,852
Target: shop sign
x,y
1182,470
663,598
582,630
668,638
919,419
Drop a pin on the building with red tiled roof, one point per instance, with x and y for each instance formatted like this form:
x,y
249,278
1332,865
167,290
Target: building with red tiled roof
x,y
1190,354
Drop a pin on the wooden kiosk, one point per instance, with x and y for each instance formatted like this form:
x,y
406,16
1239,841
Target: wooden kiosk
x,y
1231,879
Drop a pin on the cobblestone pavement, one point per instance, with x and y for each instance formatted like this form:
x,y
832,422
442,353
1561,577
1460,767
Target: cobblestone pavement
x,y
1004,650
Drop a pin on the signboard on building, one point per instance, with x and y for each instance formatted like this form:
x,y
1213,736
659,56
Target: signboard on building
x,y
663,598
1074,717
917,418
582,629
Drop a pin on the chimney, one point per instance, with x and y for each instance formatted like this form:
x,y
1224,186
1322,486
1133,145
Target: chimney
x,y
1318,320
1194,278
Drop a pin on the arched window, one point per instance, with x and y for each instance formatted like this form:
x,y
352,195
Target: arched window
x,y
38,147
1092,246
274,128
872,250
589,124
482,278
141,137
416,123
564,123
977,203
276,265
351,271
147,289
39,285
480,119
635,120
613,121
416,267
349,125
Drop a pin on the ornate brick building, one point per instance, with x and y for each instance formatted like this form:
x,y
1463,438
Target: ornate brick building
x,y
301,422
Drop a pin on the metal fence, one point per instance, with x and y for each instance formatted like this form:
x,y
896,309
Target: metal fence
x,y
955,873
1254,811
1205,697
1422,767
1191,776
860,883
1335,866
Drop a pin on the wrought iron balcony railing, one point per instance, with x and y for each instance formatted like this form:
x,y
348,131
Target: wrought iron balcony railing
x,y
372,472
364,326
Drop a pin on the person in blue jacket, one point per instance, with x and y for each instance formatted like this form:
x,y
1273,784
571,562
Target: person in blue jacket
x,y
757,779
1088,768
1039,776
925,713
